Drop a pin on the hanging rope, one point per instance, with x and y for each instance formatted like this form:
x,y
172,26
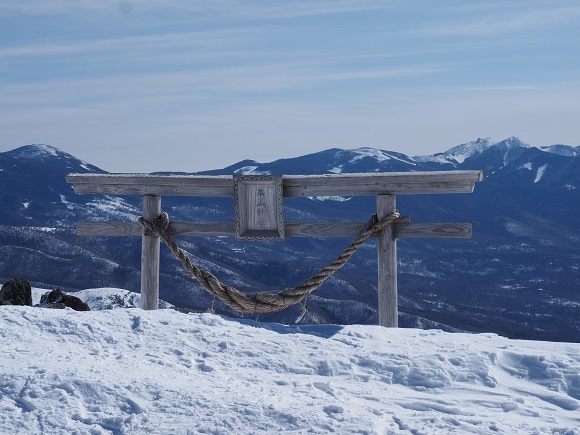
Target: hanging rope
x,y
261,302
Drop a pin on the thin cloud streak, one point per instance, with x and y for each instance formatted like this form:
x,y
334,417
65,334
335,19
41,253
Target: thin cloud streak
x,y
204,39
505,88
244,80
496,25
263,10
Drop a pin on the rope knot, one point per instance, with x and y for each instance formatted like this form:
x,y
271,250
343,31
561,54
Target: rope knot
x,y
374,226
156,228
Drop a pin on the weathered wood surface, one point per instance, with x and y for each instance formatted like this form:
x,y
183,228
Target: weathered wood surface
x,y
292,229
382,183
150,257
388,309
259,208
145,184
433,182
433,230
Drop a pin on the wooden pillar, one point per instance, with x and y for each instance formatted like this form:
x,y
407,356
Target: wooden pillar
x,y
150,256
387,262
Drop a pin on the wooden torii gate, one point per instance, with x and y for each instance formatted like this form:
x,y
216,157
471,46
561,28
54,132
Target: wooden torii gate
x,y
253,193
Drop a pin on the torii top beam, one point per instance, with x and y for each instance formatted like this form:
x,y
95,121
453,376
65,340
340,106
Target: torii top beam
x,y
392,183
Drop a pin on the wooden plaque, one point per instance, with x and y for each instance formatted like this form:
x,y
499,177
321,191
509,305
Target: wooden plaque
x,y
259,207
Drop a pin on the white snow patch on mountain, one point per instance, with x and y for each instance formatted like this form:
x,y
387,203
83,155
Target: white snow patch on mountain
x,y
68,204
245,169
436,158
540,173
331,198
527,166
510,147
37,150
362,153
114,206
250,170
402,160
463,152
378,155
42,229
459,153
563,150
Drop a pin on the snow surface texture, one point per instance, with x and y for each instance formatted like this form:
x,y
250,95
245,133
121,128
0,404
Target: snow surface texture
x,y
128,371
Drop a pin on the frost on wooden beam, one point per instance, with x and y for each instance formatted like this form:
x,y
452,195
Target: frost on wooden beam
x,y
293,185
292,229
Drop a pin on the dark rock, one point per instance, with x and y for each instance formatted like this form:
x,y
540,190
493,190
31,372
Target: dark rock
x,y
58,305
3,302
57,299
17,292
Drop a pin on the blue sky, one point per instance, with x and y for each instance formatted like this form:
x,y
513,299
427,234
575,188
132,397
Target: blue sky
x,y
187,85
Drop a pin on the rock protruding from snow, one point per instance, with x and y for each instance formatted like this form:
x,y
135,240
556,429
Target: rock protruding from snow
x,y
16,292
57,299
100,299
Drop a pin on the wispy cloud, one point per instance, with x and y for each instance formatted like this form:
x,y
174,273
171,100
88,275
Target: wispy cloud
x,y
200,40
495,22
512,88
201,9
210,83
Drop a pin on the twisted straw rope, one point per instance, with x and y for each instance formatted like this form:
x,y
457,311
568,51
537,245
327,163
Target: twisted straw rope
x,y
262,302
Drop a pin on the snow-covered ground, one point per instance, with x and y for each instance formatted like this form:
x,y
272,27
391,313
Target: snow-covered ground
x,y
128,371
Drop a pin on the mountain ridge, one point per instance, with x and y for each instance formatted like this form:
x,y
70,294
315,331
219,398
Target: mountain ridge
x,y
457,154
520,266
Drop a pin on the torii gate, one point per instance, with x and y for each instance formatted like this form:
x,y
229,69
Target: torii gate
x,y
259,214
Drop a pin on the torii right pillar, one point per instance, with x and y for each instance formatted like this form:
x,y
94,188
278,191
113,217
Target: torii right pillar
x,y
387,265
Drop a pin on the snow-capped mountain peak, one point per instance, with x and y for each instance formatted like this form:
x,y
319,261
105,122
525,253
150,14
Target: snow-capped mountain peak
x,y
361,153
506,149
459,153
47,156
378,155
505,152
512,142
562,150
36,151
464,151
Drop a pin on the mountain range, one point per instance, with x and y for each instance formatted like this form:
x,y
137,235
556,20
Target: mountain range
x,y
519,276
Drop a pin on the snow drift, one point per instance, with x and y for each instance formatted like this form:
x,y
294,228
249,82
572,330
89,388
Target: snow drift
x,y
131,371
